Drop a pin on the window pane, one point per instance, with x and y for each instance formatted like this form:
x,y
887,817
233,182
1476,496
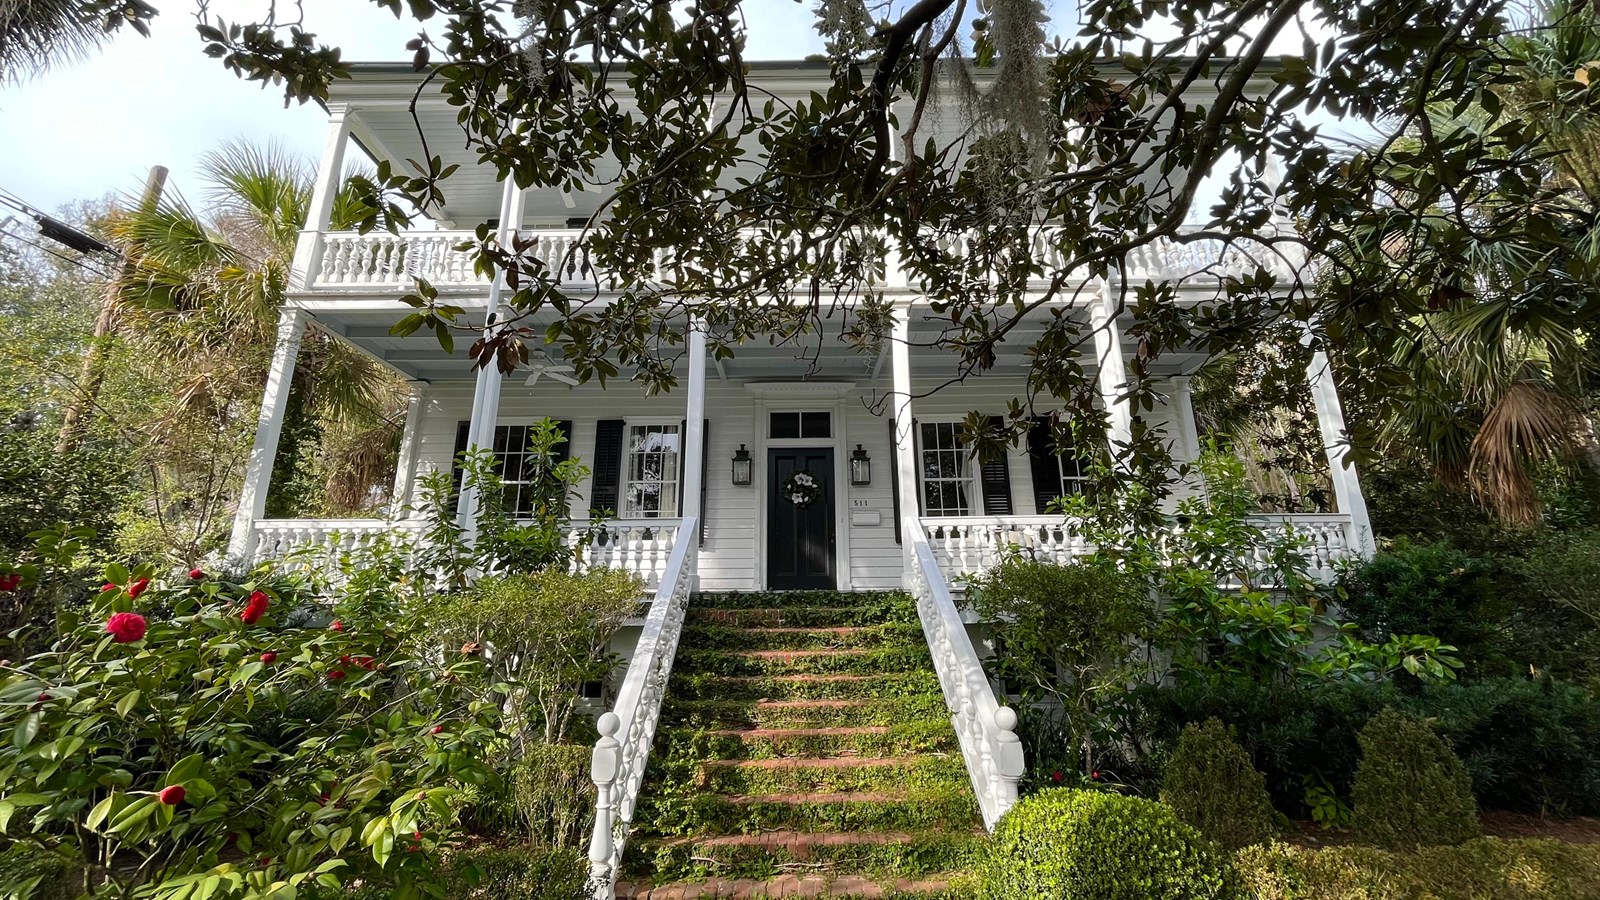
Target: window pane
x,y
651,471
816,425
785,425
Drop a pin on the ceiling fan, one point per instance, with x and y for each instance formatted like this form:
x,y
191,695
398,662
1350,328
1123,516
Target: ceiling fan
x,y
544,368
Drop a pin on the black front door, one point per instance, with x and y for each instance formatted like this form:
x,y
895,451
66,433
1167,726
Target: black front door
x,y
799,537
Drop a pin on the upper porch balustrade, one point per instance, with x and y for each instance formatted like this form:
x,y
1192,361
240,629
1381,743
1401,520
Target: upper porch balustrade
x,y
348,262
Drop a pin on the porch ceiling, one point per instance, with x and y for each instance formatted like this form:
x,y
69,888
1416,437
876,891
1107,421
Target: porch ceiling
x,y
419,356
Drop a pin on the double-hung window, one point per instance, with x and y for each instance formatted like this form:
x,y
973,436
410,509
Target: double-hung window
x,y
1071,467
946,478
652,468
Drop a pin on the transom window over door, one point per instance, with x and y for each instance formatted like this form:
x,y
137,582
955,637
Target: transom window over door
x,y
946,486
652,468
785,425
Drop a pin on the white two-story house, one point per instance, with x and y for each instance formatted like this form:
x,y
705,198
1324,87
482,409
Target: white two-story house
x,y
696,477
721,448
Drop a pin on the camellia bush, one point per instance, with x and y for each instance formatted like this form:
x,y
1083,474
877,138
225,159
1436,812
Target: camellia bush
x,y
196,736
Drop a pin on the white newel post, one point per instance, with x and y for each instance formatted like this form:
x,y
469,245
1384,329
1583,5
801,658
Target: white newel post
x,y
269,426
486,394
1346,480
319,216
1112,375
405,470
694,439
604,766
905,444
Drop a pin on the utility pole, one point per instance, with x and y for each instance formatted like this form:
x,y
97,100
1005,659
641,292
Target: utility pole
x,y
93,375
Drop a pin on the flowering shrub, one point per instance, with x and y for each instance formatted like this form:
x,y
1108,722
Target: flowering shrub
x,y
200,737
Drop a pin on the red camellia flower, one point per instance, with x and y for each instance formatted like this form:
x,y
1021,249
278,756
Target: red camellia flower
x,y
138,587
172,794
366,662
254,609
107,588
197,574
436,729
336,675
337,625
1095,775
43,696
126,627
1057,777
269,656
9,583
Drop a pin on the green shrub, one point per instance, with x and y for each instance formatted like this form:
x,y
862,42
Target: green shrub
x,y
178,724
28,873
1482,869
1410,788
547,632
1431,589
554,795
1090,845
1066,633
1210,784
519,873
1529,746
1555,586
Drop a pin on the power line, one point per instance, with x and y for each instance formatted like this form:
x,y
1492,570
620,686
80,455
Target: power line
x,y
56,230
80,262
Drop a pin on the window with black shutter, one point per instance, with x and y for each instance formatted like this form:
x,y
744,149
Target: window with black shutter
x,y
1057,469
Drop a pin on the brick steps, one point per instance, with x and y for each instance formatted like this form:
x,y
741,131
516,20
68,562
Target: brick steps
x,y
805,750
793,885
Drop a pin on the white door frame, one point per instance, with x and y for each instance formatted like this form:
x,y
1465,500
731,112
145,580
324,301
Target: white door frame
x,y
803,396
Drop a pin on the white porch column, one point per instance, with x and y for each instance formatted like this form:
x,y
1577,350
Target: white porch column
x,y
319,216
269,426
1112,375
905,445
486,397
1346,480
405,470
694,438
1188,436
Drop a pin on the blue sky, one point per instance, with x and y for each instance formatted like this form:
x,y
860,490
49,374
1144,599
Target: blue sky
x,y
93,127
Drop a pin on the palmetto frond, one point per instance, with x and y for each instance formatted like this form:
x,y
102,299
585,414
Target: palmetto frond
x,y
36,33
205,290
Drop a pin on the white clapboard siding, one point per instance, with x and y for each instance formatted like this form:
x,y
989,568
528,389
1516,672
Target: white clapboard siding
x,y
729,558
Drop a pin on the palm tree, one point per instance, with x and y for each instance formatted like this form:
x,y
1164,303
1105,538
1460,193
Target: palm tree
x,y
36,33
1485,371
202,301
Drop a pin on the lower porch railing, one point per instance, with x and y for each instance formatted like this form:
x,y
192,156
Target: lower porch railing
x,y
626,732
640,546
969,545
987,730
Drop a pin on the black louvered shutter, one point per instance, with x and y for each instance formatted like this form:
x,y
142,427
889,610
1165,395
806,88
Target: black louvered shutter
x,y
994,477
705,460
606,482
463,433
1046,468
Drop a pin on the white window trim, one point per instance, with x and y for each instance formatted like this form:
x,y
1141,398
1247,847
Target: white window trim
x,y
625,483
974,483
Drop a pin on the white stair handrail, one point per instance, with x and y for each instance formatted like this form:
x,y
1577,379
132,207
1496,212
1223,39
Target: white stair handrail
x,y
627,731
987,730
